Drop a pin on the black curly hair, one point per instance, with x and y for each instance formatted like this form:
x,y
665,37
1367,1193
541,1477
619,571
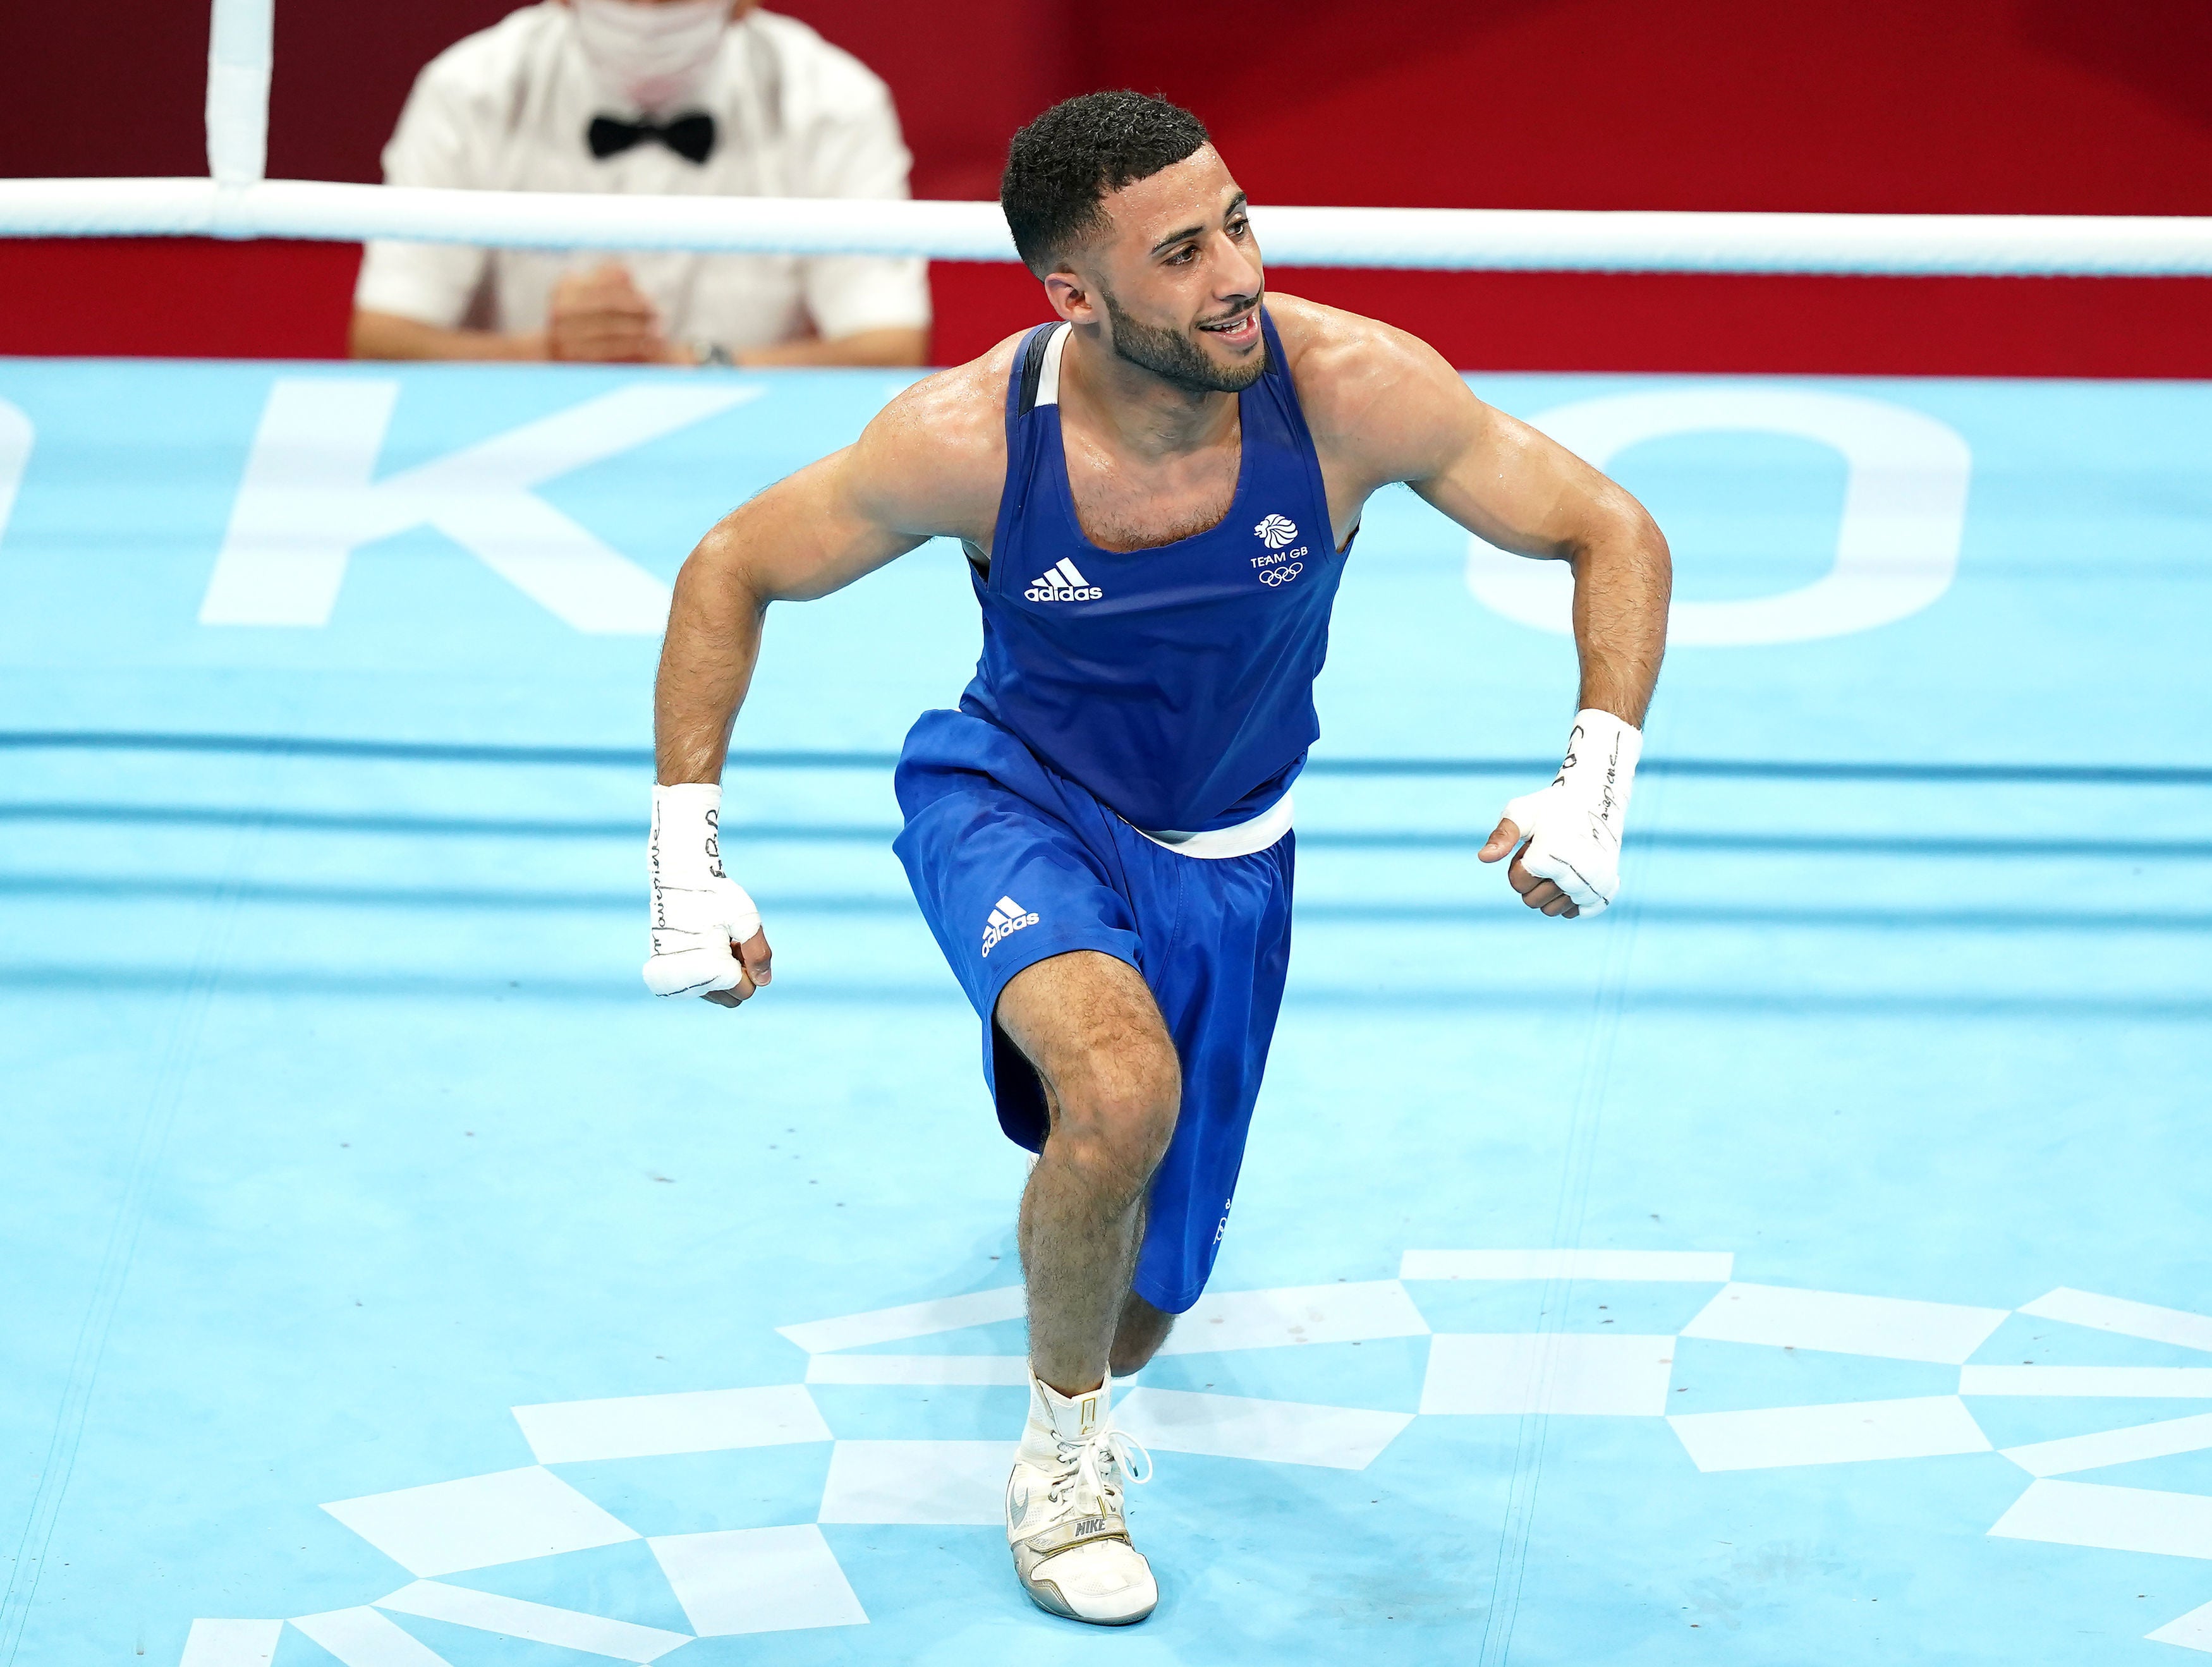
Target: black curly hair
x,y
1064,163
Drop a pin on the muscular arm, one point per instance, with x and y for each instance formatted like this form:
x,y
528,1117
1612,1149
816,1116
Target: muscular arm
x,y
804,537
1513,487
932,462
1385,408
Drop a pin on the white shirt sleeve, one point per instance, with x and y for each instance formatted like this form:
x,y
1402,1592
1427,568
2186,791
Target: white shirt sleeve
x,y
856,150
434,282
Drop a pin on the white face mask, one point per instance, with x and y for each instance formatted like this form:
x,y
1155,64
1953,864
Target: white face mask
x,y
655,54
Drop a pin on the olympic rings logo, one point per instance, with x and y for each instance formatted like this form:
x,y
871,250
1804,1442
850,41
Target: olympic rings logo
x,y
1281,575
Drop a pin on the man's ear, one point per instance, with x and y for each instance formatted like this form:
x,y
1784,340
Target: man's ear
x,y
1071,297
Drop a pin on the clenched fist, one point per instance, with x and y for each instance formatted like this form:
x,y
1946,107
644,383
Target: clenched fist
x,y
706,934
1568,835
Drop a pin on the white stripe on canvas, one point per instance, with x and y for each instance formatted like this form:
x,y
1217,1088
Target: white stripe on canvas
x,y
1549,1371
2193,1631
2154,1383
1179,1421
2121,1446
231,1643
1842,1433
2112,1519
651,1426
480,1521
914,1319
362,1638
736,1580
2129,1319
1845,1323
1006,1369
1346,1313
534,1623
949,1483
1683,1267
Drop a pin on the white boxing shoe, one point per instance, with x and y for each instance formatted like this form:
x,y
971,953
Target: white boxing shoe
x,y
1067,1520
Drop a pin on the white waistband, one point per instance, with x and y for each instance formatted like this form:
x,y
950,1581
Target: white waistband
x,y
1242,840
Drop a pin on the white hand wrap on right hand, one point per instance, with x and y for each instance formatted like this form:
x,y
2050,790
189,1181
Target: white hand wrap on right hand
x,y
1573,826
698,910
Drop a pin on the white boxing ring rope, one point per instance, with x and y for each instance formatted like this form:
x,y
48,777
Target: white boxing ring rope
x,y
236,201
1444,240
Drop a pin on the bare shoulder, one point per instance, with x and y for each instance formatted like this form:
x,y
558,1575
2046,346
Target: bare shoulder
x,y
1375,396
933,460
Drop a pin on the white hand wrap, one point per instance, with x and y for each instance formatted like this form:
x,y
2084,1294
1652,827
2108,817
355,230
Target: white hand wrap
x,y
1573,826
698,910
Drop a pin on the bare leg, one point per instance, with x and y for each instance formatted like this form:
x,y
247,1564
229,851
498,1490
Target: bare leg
x,y
1091,1027
1142,1329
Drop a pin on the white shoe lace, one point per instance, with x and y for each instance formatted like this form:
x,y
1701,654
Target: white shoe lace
x,y
1097,1461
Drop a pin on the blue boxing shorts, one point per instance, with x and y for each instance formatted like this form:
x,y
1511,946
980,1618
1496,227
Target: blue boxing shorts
x,y
1012,863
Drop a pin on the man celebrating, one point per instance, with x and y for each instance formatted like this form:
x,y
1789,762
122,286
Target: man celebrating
x,y
1157,494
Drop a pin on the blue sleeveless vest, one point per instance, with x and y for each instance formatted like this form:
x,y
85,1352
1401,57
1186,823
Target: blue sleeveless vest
x,y
1175,683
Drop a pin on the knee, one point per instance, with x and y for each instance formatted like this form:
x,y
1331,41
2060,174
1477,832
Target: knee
x,y
1116,1116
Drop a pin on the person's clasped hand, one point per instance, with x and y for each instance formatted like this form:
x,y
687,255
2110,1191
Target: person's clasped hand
x,y
603,318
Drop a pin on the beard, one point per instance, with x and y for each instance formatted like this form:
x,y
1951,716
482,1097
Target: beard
x,y
1174,358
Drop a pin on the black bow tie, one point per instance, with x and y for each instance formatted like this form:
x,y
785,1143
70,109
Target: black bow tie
x,y
690,136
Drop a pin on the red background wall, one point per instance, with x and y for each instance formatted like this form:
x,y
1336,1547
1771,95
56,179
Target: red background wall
x,y
1969,106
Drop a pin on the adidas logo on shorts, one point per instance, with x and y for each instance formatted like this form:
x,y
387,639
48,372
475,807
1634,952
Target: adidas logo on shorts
x,y
1005,921
1062,582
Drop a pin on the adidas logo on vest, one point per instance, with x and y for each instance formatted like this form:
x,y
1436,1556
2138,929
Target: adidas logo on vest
x,y
1062,583
1004,922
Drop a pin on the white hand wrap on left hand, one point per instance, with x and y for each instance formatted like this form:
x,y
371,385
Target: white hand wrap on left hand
x,y
1573,827
699,913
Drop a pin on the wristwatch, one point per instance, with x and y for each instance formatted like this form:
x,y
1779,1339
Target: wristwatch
x,y
714,354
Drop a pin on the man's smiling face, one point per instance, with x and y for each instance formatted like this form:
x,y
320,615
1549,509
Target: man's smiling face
x,y
1179,276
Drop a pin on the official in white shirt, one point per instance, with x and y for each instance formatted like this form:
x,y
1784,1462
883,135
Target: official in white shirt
x,y
690,97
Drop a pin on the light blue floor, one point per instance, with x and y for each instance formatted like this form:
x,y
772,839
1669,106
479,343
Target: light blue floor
x,y
334,1124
